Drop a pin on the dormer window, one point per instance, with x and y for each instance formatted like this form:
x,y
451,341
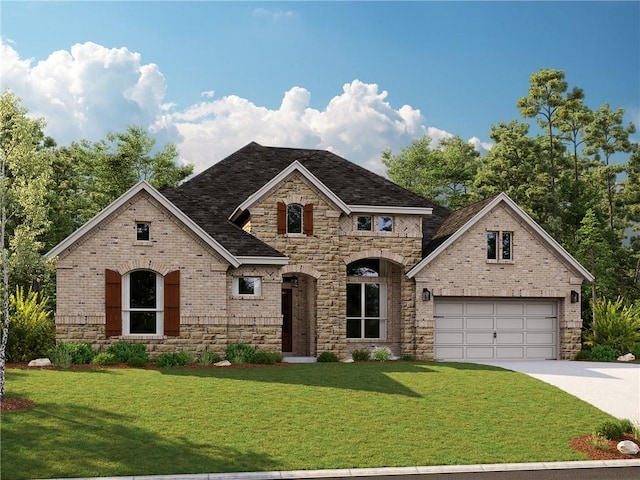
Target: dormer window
x,y
143,231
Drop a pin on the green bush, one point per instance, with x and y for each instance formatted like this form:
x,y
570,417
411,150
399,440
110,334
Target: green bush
x,y
82,353
32,333
603,353
208,358
138,360
616,325
361,355
266,358
327,357
611,429
61,355
407,357
636,351
124,351
584,354
381,354
173,359
104,358
239,353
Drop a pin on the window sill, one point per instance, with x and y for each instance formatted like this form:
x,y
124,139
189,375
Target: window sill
x,y
366,340
501,262
247,297
142,337
142,243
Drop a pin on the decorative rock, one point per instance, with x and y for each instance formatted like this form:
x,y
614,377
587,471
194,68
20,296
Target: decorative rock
x,y
40,362
348,360
628,447
223,363
629,357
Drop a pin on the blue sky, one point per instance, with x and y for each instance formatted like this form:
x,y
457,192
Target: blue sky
x,y
352,77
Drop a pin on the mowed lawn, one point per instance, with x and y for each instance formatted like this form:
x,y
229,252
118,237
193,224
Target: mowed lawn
x,y
133,421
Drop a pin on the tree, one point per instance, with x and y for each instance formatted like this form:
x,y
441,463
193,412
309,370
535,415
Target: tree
x,y
23,181
444,174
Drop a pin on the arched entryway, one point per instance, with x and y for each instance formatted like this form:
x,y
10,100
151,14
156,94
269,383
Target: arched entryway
x,y
299,302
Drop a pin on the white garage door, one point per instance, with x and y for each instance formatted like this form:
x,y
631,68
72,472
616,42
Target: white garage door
x,y
475,329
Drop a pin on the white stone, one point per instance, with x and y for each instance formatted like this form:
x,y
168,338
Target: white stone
x,y
628,447
40,362
629,357
348,360
223,363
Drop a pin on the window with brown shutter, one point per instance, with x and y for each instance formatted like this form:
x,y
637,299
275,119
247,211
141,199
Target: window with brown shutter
x,y
282,218
172,303
113,303
307,223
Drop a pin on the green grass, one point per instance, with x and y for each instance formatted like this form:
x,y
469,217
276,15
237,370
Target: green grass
x,y
131,422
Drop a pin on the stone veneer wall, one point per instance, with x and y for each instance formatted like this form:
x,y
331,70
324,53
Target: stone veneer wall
x,y
535,272
211,317
329,251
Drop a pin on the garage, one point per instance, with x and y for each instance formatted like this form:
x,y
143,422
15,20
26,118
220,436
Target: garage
x,y
495,329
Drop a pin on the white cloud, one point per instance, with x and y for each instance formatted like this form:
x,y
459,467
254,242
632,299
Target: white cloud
x,y
92,89
273,14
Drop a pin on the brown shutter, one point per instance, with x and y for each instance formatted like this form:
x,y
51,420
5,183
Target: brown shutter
x,y
172,304
113,303
282,218
307,219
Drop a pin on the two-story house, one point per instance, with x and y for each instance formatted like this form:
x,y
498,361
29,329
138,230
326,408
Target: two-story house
x,y
302,251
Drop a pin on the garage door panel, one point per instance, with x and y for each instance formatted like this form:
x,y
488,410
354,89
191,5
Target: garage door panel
x,y
540,323
510,353
449,338
479,323
479,338
510,338
473,308
450,323
484,329
449,353
509,323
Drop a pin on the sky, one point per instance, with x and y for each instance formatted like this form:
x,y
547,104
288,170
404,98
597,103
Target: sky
x,y
355,78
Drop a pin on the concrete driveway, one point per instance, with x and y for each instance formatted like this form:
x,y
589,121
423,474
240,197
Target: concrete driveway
x,y
612,387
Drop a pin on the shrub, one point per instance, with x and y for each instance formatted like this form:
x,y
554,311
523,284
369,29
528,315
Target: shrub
x,y
266,358
104,358
61,355
32,333
138,360
616,325
599,442
123,351
626,425
603,353
636,351
407,357
611,430
584,354
327,357
239,353
208,358
361,355
381,354
174,359
82,353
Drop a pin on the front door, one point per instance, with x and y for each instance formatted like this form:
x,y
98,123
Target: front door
x,y
287,317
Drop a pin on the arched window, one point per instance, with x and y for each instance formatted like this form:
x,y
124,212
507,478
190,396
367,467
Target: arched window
x,y
366,299
294,218
143,303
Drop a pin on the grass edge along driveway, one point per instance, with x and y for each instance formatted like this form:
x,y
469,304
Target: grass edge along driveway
x,y
113,422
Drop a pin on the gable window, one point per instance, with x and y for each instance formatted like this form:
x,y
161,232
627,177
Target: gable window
x,y
295,219
143,231
385,224
365,223
499,246
250,286
143,302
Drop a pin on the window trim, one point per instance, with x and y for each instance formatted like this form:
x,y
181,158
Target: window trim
x,y
370,229
498,249
148,225
127,309
379,218
382,318
301,208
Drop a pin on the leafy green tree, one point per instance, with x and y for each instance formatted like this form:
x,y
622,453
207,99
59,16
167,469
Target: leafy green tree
x,y
23,181
444,174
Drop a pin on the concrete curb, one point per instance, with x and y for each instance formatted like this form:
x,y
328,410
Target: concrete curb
x,y
363,472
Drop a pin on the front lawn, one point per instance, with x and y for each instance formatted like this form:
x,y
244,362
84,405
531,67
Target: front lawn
x,y
115,422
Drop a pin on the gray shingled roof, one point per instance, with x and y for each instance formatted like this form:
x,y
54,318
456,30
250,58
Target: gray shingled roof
x,y
212,196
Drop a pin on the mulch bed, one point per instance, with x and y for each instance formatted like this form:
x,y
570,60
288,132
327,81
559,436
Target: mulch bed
x,y
583,445
10,404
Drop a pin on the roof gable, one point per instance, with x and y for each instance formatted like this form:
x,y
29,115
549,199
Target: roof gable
x,y
460,221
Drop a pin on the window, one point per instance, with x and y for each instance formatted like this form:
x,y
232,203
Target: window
x,y
143,230
247,286
294,218
500,250
143,302
368,267
385,224
365,223
366,310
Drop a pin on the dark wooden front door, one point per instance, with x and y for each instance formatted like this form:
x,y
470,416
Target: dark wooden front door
x,y
287,317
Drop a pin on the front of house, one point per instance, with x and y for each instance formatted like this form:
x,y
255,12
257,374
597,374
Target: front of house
x,y
303,252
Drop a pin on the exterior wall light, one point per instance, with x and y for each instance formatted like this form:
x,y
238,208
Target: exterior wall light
x,y
575,296
426,294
